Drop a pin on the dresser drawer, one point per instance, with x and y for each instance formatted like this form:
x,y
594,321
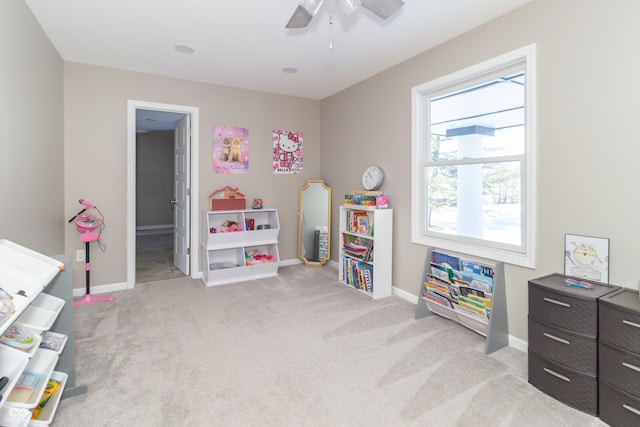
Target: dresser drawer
x,y
575,308
620,320
562,310
617,408
573,388
568,348
620,368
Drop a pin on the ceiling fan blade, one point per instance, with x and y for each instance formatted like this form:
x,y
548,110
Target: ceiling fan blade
x,y
383,8
304,13
347,7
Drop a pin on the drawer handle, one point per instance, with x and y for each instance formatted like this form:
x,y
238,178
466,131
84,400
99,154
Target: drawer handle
x,y
631,409
630,366
627,322
557,375
555,338
564,304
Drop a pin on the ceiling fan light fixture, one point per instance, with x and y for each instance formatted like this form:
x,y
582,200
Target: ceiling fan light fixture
x,y
347,7
304,13
383,8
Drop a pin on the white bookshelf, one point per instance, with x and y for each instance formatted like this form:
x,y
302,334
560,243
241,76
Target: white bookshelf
x,y
380,235
225,254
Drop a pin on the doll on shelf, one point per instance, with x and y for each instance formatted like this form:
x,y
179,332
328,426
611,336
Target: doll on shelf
x,y
228,226
257,257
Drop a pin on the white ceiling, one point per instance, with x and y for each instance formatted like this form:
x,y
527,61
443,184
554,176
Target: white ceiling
x,y
243,43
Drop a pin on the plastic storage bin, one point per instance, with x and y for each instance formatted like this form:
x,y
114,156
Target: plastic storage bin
x,y
41,314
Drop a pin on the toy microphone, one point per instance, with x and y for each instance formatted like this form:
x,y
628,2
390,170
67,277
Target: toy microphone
x,y
87,204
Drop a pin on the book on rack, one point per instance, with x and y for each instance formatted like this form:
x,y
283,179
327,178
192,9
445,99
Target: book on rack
x,y
358,274
475,274
358,222
362,224
459,284
367,193
360,248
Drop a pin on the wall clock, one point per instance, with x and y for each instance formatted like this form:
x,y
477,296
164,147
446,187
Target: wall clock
x,y
372,177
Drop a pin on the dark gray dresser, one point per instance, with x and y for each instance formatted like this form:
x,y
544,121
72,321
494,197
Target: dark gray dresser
x,y
619,359
563,339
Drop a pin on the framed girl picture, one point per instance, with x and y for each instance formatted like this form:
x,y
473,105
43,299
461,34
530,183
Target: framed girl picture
x,y
586,257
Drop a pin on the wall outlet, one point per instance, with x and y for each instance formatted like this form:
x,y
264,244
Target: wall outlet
x,y
80,255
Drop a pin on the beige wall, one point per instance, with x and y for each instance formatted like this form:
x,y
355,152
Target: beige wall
x,y
588,91
96,151
31,146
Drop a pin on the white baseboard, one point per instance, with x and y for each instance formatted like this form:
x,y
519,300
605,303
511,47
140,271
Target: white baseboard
x,y
287,262
296,261
404,295
101,289
514,342
518,344
154,229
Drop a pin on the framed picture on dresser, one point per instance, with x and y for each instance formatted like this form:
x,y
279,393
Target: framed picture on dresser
x,y
586,257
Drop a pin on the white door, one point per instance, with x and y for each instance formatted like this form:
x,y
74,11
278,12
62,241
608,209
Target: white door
x,y
181,195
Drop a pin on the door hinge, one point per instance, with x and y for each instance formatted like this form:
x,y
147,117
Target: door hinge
x,y
188,191
189,132
188,251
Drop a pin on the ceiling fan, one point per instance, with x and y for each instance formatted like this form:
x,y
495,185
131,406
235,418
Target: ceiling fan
x,y
306,10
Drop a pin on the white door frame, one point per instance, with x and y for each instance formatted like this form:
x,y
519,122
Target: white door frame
x,y
132,106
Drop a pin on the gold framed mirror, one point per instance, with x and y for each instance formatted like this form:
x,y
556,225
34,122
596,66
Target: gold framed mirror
x,y
314,223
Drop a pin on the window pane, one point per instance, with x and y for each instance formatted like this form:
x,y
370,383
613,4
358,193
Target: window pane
x,y
479,121
481,201
505,142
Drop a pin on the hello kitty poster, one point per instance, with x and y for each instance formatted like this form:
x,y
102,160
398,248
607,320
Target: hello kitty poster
x,y
287,152
230,149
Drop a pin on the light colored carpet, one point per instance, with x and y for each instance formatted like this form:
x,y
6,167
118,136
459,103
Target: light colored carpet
x,y
154,258
299,349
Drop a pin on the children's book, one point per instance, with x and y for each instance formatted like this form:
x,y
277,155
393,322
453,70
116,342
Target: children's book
x,y
446,260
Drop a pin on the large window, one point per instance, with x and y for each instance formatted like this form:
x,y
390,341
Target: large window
x,y
473,160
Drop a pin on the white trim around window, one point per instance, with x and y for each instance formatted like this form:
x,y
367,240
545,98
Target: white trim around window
x,y
523,253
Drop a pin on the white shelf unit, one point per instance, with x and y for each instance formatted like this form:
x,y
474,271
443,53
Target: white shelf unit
x,y
494,326
25,274
226,255
376,269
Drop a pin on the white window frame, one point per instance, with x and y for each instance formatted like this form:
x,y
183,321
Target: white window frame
x,y
525,255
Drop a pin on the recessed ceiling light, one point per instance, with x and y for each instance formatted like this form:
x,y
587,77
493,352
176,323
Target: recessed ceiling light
x,y
289,70
184,49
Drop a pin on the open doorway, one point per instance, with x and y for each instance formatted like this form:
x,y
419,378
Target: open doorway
x,y
155,205
162,144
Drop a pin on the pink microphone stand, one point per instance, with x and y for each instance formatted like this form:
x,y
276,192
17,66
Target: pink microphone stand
x,y
86,224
